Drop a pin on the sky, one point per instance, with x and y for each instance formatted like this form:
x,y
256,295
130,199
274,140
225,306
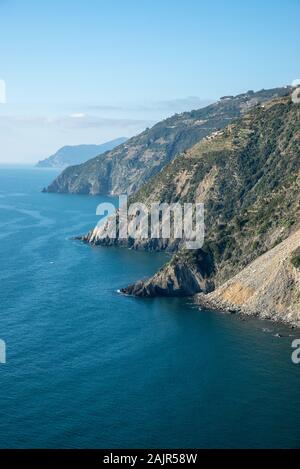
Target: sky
x,y
88,71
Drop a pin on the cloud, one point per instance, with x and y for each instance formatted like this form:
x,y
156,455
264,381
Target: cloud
x,y
77,115
171,105
86,121
71,121
135,115
296,82
182,104
27,138
2,92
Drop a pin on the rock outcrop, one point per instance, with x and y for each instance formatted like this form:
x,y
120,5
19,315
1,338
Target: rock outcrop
x,y
248,177
177,278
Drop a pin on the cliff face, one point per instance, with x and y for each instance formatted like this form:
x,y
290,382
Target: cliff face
x,y
248,177
177,278
129,166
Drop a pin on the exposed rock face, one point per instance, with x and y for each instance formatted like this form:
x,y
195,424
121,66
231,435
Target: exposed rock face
x,y
269,287
101,236
129,166
96,238
175,279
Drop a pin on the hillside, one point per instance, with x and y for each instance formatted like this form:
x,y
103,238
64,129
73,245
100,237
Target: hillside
x,y
76,154
248,177
129,166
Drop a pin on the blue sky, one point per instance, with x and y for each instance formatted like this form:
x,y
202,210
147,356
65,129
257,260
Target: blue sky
x,y
88,71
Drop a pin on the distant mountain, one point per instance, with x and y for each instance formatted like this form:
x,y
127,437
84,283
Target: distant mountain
x,y
128,167
76,154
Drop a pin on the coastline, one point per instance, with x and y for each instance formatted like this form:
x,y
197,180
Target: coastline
x,y
207,304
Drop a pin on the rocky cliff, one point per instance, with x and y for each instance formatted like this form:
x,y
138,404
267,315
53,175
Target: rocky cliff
x,y
269,287
248,177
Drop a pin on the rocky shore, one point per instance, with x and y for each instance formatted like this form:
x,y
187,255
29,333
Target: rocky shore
x,y
268,288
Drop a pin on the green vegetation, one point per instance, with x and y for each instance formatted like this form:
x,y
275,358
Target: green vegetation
x,y
295,260
249,178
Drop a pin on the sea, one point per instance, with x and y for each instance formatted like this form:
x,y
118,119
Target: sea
x,y
87,367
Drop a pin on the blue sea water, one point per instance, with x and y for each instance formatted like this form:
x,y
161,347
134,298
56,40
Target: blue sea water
x,y
87,367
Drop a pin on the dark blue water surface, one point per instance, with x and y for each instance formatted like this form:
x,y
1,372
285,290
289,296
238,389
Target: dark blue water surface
x,y
87,367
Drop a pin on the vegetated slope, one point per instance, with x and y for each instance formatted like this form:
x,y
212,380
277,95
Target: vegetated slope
x,y
248,177
129,166
76,154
